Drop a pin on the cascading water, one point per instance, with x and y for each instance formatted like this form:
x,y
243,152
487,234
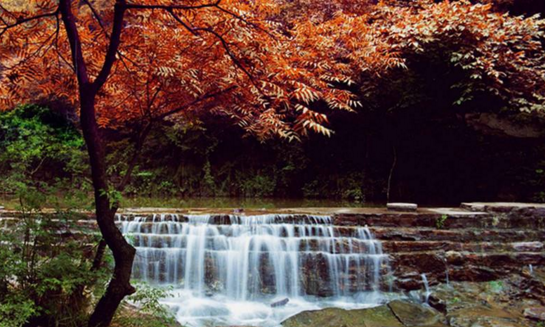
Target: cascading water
x,y
227,270
426,288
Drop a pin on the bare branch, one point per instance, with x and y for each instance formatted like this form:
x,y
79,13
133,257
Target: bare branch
x,y
172,7
96,15
20,21
196,101
245,21
136,154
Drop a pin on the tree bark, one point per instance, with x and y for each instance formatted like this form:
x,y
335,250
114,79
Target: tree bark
x,y
123,252
391,174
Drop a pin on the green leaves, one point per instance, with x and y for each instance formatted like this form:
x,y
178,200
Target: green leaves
x,y
46,267
113,195
37,146
143,309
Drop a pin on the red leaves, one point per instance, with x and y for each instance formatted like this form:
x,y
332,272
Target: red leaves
x,y
268,76
502,52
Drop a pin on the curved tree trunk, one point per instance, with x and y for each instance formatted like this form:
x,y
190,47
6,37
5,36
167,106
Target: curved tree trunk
x,y
123,252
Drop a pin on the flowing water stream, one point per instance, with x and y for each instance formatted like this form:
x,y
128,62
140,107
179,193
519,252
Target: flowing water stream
x,y
229,269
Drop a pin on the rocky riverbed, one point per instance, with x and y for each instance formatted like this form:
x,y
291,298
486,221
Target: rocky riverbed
x,y
483,263
515,301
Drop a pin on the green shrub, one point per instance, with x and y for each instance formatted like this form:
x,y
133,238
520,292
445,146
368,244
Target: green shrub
x,y
46,277
39,147
143,309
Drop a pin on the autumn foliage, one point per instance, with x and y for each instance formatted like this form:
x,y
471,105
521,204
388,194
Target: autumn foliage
x,y
274,67
265,69
171,62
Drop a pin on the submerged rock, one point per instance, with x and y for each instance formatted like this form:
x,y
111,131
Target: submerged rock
x,y
280,303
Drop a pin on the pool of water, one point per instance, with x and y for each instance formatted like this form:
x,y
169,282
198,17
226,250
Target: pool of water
x,y
11,202
249,203
220,310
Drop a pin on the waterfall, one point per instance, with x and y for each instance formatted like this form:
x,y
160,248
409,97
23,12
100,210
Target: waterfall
x,y
220,260
426,287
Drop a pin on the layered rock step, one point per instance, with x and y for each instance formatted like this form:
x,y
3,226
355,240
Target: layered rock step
x,y
476,242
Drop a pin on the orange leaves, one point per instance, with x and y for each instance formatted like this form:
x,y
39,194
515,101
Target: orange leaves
x,y
171,61
261,63
501,53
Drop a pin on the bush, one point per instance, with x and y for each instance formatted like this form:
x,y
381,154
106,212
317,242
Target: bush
x,y
143,309
39,147
46,276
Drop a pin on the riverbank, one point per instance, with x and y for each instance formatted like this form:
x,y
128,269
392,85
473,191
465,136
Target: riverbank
x,y
339,257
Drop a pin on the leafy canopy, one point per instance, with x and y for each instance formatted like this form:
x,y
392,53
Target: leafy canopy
x,y
262,63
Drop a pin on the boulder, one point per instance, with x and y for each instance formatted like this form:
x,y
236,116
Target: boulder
x,y
380,316
415,315
535,313
280,303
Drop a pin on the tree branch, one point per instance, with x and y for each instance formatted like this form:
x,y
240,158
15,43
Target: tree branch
x,y
96,15
228,12
225,44
69,21
196,101
21,21
171,7
115,40
134,159
147,129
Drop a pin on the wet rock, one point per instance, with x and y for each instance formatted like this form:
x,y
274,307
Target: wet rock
x,y
528,246
380,316
408,267
280,303
402,207
415,315
394,314
437,303
492,304
535,313
467,321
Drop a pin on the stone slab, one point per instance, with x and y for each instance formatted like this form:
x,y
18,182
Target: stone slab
x,y
398,206
456,212
499,206
380,316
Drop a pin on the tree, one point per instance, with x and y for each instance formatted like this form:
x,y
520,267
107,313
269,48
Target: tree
x,y
136,63
501,55
149,60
